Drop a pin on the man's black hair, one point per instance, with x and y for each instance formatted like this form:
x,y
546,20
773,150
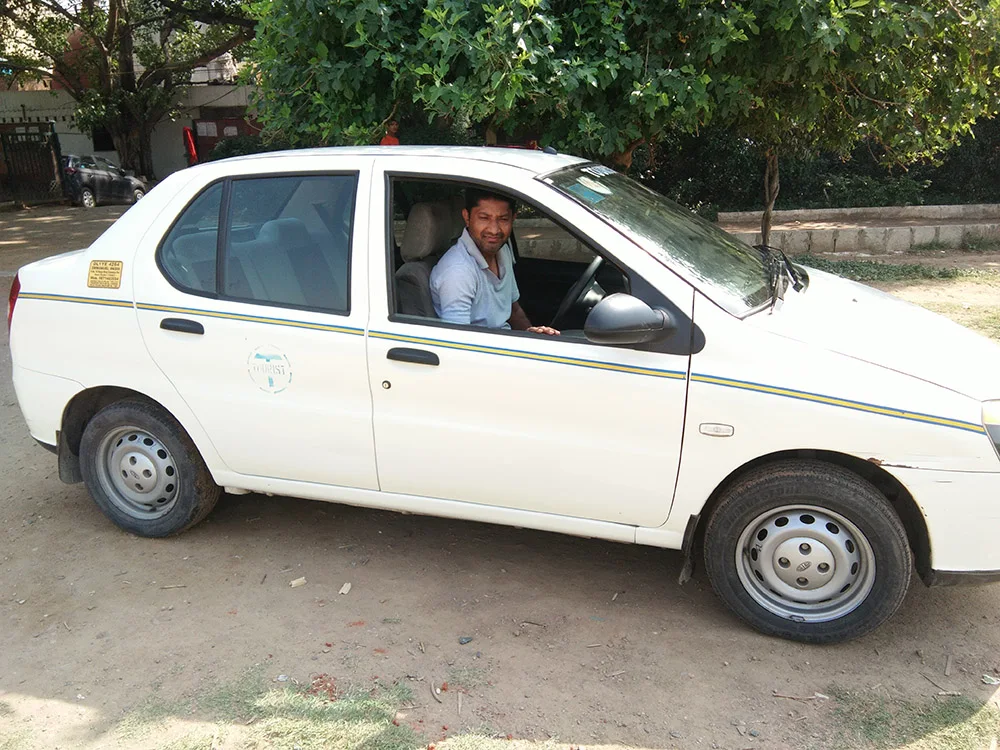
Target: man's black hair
x,y
474,195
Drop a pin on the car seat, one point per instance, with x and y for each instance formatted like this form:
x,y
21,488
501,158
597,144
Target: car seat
x,y
431,228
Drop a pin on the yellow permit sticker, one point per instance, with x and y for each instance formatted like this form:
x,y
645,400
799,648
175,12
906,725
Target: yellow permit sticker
x,y
105,274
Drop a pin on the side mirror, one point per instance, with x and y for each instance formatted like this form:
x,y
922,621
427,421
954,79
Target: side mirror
x,y
624,319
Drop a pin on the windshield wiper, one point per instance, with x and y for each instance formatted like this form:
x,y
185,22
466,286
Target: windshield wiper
x,y
779,271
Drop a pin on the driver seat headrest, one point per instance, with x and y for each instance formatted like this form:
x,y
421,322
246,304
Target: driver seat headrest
x,y
431,228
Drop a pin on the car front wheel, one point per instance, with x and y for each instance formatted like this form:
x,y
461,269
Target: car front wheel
x,y
808,551
143,471
137,195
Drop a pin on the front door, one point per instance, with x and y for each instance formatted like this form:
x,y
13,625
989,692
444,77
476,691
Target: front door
x,y
256,314
516,420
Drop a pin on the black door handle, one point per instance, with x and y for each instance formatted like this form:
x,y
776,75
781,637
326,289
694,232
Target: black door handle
x,y
182,325
417,356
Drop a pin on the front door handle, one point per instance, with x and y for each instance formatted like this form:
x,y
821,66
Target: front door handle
x,y
417,356
182,325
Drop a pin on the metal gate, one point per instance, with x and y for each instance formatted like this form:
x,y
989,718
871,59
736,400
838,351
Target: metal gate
x,y
30,162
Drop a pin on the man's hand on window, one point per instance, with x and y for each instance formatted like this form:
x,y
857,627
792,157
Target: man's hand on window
x,y
543,329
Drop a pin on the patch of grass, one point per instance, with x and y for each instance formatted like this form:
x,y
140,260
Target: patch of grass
x,y
487,741
867,270
466,677
871,720
148,715
974,244
357,719
259,715
984,320
192,742
236,700
391,620
934,246
17,740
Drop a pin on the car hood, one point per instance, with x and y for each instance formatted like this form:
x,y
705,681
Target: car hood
x,y
861,322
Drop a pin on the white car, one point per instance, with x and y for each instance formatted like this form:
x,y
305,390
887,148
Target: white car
x,y
264,324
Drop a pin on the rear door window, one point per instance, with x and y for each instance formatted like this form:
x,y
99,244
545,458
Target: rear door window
x,y
289,241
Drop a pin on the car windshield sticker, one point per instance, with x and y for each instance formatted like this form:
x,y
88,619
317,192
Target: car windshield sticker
x,y
590,195
105,274
269,369
598,170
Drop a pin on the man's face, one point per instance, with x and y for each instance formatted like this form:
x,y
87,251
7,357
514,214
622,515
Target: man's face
x,y
490,224
393,127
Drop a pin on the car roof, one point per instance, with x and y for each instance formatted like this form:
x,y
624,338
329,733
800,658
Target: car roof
x,y
535,161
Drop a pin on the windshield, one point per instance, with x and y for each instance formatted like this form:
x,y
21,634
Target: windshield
x,y
732,274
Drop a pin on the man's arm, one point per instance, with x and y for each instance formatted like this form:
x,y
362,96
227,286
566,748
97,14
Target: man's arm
x,y
453,294
519,322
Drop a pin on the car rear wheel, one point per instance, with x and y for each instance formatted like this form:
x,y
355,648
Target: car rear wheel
x,y
143,471
808,551
137,195
87,198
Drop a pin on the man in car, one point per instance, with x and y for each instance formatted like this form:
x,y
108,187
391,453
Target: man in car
x,y
474,283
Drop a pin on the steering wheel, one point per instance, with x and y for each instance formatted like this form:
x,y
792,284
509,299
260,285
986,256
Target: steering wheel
x,y
579,290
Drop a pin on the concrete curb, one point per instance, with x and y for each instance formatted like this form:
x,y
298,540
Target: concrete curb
x,y
876,240
973,212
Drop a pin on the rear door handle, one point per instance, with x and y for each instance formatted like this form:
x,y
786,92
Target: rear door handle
x,y
182,325
416,356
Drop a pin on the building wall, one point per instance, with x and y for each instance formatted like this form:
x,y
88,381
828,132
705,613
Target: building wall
x,y
58,106
168,144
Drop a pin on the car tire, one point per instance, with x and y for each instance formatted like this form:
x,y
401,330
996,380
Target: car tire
x,y
87,198
808,551
137,195
143,470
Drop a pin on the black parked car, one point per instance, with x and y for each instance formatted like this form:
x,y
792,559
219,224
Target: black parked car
x,y
89,180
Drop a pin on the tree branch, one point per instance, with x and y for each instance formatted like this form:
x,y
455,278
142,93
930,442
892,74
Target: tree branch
x,y
54,7
159,74
873,100
211,15
114,8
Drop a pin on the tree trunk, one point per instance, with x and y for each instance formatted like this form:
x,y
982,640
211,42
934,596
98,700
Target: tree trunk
x,y
146,170
623,159
771,187
127,144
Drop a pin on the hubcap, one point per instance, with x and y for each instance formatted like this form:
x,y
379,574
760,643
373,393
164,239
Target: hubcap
x,y
805,563
88,199
138,473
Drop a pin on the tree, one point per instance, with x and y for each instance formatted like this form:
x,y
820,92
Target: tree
x,y
911,78
601,77
123,61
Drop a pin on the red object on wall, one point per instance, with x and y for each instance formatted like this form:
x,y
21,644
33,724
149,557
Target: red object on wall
x,y
189,147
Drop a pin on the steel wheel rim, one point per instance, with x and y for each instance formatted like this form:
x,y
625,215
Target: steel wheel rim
x,y
88,199
805,563
137,473
137,195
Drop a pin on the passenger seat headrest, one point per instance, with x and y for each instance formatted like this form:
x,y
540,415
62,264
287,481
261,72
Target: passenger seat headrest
x,y
285,232
430,229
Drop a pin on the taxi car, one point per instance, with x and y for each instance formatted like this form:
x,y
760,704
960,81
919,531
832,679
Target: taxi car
x,y
264,324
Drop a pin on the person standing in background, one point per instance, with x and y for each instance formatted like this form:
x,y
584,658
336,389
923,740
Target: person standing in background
x,y
390,139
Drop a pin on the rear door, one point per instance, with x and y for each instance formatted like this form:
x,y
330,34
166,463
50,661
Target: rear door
x,y
117,182
95,177
253,306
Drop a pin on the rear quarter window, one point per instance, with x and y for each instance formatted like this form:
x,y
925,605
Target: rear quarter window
x,y
188,252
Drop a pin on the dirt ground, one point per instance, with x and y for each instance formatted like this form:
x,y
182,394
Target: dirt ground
x,y
586,642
